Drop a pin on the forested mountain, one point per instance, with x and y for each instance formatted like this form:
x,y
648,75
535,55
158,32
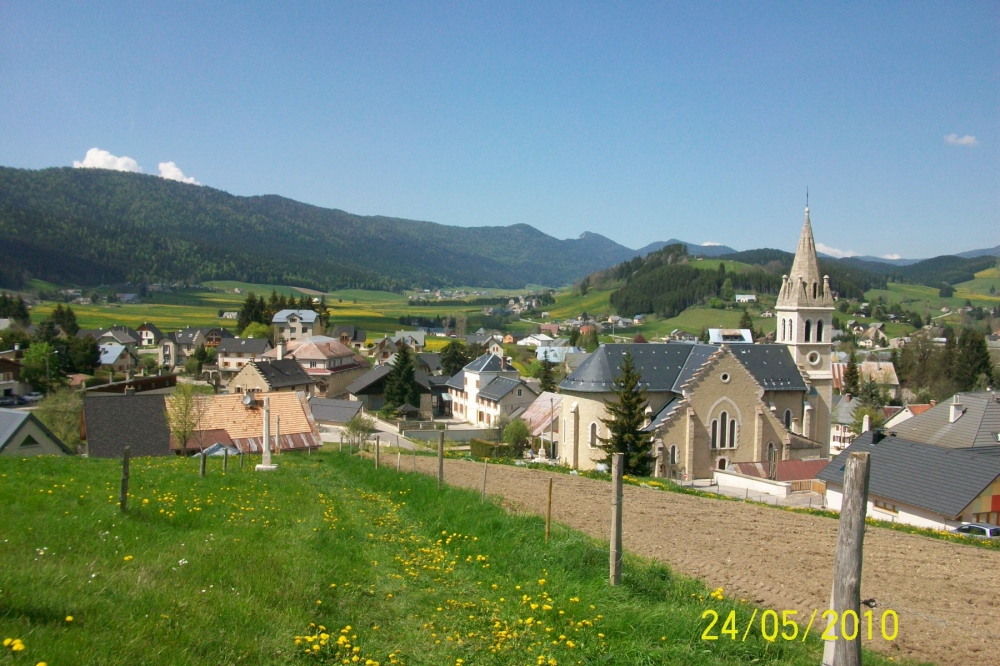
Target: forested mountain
x,y
694,249
90,226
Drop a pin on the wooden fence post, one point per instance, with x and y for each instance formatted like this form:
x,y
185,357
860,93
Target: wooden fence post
x,y
846,596
617,470
201,464
414,451
123,500
225,460
241,459
399,457
341,449
548,513
482,497
377,444
440,459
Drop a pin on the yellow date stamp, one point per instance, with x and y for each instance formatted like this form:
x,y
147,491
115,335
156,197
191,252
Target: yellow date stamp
x,y
846,626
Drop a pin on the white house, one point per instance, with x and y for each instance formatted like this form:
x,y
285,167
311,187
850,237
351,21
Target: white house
x,y
487,387
295,324
746,298
536,340
234,353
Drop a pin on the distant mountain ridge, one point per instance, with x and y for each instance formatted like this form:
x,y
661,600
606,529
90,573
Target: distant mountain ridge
x,y
694,249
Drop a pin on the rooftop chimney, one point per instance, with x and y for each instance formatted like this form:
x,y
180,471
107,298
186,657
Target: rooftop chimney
x,y
281,350
877,435
955,410
866,423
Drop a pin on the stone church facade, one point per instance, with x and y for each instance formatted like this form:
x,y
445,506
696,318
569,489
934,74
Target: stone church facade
x,y
711,406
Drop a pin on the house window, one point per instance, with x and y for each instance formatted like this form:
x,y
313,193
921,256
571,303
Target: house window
x,y
808,329
819,330
788,419
592,442
885,506
715,433
29,441
673,454
518,393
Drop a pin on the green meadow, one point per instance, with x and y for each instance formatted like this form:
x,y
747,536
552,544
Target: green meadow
x,y
327,561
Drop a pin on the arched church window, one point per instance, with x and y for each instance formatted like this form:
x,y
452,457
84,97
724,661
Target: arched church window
x,y
723,424
673,454
782,329
715,433
814,290
593,435
770,451
808,329
819,330
732,433
788,419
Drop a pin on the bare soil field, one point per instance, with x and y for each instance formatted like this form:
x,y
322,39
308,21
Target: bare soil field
x,y
947,595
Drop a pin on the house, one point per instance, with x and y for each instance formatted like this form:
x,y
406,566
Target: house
x,y
535,340
486,388
295,324
551,329
767,314
369,390
382,350
905,414
841,419
327,411
118,358
234,353
128,299
177,347
149,335
237,421
922,484
415,340
542,419
112,422
10,378
230,314
267,376
22,434
556,355
883,373
430,363
350,336
730,336
512,338
710,406
746,298
968,420
331,364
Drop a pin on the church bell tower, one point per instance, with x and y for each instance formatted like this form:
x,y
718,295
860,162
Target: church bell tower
x,y
805,325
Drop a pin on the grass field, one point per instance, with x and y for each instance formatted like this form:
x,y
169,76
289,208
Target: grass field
x,y
326,561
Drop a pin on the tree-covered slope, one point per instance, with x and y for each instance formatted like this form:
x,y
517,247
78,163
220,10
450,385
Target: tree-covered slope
x,y
91,226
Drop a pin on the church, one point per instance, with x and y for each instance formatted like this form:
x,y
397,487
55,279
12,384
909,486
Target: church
x,y
710,406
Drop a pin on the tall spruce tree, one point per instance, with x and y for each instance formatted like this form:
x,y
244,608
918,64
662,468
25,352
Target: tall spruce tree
x,y
453,358
548,376
627,417
852,376
401,386
972,368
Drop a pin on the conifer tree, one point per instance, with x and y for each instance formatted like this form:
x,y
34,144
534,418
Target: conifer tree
x,y
548,376
401,386
972,368
852,376
453,358
627,417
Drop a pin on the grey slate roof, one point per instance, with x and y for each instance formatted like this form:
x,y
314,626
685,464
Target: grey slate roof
x,y
662,415
843,410
353,332
489,363
660,366
978,425
771,365
334,411
457,381
279,374
11,421
116,421
307,316
245,345
922,475
375,375
500,387
696,358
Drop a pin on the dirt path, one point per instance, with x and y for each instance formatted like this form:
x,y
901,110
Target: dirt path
x,y
947,595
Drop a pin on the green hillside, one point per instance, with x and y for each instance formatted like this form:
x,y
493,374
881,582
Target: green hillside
x,y
327,561
93,226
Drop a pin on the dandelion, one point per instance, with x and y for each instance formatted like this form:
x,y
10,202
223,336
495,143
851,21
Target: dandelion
x,y
69,618
128,558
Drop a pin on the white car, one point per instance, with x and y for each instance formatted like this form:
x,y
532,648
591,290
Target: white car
x,y
981,530
34,396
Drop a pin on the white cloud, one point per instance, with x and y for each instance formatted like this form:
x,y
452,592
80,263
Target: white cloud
x,y
892,257
956,140
171,171
709,244
834,252
102,159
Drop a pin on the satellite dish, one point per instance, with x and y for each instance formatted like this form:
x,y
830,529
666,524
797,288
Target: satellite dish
x,y
248,400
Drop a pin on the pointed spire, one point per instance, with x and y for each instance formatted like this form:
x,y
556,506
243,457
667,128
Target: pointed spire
x,y
805,285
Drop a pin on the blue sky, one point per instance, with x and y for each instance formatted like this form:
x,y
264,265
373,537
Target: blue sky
x,y
701,121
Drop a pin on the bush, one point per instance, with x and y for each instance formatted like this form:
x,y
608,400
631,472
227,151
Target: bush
x,y
483,449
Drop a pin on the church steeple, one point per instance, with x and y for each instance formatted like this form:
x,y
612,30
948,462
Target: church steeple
x,y
803,287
